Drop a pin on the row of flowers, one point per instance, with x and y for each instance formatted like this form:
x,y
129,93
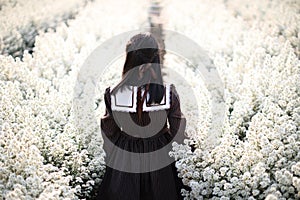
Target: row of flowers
x,y
255,48
21,21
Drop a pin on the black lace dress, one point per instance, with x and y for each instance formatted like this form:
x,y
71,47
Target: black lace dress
x,y
160,184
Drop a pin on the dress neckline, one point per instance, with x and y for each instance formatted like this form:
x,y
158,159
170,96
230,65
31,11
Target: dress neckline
x,y
126,100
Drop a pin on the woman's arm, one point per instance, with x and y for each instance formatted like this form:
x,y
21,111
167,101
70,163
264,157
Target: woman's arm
x,y
108,124
177,121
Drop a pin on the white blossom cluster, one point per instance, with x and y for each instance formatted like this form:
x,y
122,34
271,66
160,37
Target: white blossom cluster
x,y
47,150
22,20
255,47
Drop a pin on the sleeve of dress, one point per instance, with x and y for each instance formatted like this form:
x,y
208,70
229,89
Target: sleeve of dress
x,y
108,125
177,121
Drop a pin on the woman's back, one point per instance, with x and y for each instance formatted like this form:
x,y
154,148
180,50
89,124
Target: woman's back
x,y
146,176
142,118
140,125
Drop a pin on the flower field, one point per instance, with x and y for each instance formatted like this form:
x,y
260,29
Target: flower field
x,y
47,151
255,47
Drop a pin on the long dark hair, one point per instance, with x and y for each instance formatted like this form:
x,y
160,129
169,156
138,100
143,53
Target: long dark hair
x,y
142,52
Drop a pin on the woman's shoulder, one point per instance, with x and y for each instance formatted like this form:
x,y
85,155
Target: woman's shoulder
x,y
107,90
107,93
172,87
173,91
174,96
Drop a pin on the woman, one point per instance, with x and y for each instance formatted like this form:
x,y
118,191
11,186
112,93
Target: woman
x,y
138,111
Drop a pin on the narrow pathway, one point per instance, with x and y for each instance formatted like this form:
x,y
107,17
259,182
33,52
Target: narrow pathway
x,y
156,25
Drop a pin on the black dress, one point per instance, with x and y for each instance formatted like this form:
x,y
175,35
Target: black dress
x,y
160,184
